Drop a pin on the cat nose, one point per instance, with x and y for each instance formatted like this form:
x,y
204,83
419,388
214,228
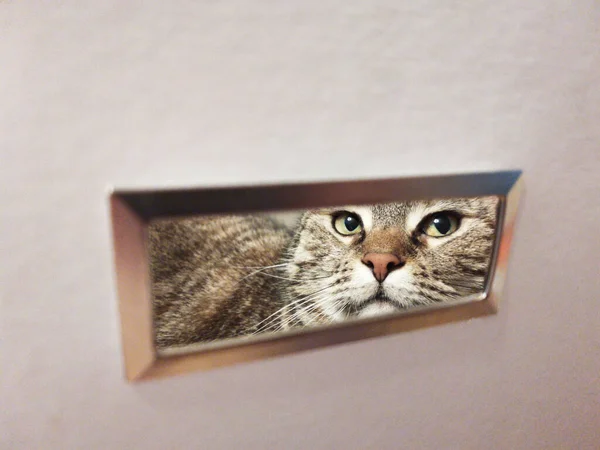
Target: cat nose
x,y
381,264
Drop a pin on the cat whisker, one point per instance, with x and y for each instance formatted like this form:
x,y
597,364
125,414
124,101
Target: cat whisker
x,y
293,279
261,267
317,305
253,273
265,323
283,322
274,318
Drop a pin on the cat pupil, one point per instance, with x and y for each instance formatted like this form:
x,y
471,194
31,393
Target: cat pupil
x,y
351,223
442,224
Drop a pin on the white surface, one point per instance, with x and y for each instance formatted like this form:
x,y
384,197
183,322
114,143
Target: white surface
x,y
205,92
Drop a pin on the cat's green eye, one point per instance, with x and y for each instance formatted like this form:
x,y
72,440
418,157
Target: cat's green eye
x,y
440,225
347,224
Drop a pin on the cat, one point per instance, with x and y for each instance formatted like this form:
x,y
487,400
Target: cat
x,y
229,276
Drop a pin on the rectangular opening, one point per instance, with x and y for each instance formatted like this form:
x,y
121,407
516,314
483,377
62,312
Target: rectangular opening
x,y
213,276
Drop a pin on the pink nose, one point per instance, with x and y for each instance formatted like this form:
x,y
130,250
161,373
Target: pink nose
x,y
381,264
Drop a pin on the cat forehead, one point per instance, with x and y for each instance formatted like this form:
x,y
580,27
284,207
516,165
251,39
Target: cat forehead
x,y
399,215
408,215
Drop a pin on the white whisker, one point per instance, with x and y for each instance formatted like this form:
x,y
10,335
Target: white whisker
x,y
261,267
267,322
293,279
317,305
275,319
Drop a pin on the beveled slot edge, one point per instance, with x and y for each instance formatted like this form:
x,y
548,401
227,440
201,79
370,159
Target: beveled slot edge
x,y
132,210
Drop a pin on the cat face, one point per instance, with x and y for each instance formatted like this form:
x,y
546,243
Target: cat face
x,y
368,260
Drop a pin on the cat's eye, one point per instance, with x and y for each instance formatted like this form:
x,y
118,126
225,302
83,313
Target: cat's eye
x,y
441,224
347,223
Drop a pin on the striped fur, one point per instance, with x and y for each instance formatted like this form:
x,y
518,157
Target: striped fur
x,y
216,278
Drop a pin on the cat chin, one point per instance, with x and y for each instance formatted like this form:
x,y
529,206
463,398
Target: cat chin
x,y
376,308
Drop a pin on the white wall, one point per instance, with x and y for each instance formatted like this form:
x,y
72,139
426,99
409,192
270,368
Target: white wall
x,y
202,92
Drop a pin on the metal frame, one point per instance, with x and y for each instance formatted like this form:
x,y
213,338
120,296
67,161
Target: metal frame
x,y
132,210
